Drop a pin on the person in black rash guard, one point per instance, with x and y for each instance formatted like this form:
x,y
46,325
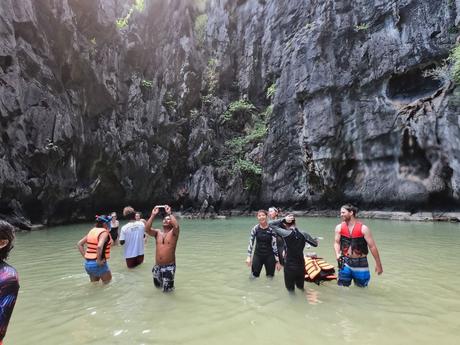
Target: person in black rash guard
x,y
9,283
273,215
294,262
266,251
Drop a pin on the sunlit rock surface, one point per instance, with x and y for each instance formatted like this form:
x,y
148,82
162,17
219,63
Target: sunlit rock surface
x,y
95,115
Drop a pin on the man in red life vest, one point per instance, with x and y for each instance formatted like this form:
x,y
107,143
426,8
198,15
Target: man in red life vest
x,y
353,241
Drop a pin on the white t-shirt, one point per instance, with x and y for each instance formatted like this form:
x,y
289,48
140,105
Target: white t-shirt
x,y
133,235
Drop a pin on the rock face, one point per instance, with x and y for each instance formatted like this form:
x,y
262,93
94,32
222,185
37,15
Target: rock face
x,y
225,104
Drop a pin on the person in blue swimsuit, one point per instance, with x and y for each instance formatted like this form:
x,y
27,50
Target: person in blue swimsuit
x,y
9,282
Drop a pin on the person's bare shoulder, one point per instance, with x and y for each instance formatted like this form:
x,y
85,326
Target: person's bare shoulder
x,y
338,227
365,229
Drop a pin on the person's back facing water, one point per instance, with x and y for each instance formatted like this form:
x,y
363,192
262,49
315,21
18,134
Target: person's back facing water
x,y
132,238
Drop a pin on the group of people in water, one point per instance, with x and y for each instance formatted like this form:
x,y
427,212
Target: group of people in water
x,y
96,246
280,243
274,243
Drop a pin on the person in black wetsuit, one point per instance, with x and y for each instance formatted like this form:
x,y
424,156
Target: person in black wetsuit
x,y
9,284
114,225
294,262
266,251
273,213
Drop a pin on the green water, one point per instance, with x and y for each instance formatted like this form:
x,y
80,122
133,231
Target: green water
x,y
415,301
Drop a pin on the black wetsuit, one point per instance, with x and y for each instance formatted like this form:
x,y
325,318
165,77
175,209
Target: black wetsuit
x,y
294,263
114,233
265,253
281,248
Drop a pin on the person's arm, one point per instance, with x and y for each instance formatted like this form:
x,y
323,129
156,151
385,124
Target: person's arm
x,y
275,247
275,225
373,248
121,238
148,226
338,254
252,238
80,247
275,252
174,221
310,240
9,288
103,237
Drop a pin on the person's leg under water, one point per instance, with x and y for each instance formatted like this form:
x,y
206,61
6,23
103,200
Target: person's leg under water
x,y
256,266
270,264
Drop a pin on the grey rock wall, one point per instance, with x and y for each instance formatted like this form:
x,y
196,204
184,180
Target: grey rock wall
x,y
95,116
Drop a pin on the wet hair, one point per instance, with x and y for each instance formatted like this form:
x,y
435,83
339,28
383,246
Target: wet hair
x,y
351,208
263,211
6,233
129,213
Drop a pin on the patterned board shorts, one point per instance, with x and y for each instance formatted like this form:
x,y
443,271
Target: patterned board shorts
x,y
356,270
163,276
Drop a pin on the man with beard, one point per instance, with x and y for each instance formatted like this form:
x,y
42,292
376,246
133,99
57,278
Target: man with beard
x,y
353,240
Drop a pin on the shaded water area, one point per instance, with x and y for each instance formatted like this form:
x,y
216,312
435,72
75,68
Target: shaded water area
x,y
415,301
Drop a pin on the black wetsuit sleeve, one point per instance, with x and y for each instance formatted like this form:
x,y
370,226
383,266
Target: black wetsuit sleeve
x,y
275,225
309,239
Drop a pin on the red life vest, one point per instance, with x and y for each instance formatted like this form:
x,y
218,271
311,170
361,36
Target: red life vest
x,y
354,241
92,240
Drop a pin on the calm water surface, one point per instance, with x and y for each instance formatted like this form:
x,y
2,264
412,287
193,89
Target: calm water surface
x,y
415,301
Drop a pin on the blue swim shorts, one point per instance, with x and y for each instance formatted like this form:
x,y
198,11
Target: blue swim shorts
x,y
354,269
93,269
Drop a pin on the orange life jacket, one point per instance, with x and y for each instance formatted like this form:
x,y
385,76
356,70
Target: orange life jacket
x,y
92,240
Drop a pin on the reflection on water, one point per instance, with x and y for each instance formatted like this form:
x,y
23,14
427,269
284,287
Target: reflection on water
x,y
415,301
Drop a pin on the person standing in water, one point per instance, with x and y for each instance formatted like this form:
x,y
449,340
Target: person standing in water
x,y
114,225
294,265
273,213
266,251
132,238
166,241
9,281
98,243
353,240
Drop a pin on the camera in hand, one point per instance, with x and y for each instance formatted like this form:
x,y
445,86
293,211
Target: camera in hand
x,y
161,211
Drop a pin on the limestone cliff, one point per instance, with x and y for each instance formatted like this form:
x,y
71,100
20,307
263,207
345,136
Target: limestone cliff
x,y
225,104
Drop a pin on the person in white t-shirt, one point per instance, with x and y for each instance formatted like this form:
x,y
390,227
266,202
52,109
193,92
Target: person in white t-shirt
x,y
132,238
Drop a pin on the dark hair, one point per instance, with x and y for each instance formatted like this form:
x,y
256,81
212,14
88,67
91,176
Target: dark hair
x,y
129,213
6,233
263,211
351,208
286,223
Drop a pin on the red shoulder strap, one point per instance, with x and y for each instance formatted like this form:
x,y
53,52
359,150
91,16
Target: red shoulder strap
x,y
357,230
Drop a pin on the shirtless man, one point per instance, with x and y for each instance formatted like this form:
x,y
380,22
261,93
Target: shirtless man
x,y
353,241
166,241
